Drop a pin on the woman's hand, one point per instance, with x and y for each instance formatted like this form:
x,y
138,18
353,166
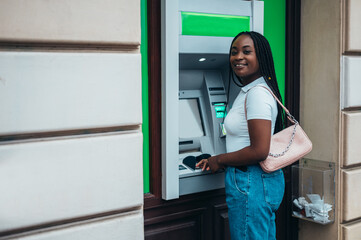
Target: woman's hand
x,y
211,163
203,164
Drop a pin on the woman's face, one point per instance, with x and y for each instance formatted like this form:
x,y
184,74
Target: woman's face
x,y
243,59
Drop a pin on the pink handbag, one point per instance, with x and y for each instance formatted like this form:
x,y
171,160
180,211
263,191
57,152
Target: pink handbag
x,y
287,146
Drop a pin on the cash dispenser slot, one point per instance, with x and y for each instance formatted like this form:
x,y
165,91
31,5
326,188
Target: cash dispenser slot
x,y
185,142
216,90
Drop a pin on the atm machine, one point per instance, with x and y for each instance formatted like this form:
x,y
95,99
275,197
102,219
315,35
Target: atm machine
x,y
196,36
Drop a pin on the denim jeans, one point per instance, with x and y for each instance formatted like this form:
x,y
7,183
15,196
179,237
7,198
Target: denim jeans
x,y
253,196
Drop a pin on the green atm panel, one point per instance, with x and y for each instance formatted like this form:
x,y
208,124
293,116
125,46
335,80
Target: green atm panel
x,y
218,25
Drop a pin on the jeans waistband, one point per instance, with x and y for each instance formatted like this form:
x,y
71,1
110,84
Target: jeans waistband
x,y
251,168
242,168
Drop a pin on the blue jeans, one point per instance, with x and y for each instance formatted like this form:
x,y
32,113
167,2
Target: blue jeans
x,y
253,196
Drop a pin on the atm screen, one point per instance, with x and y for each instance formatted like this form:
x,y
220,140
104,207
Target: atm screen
x,y
190,121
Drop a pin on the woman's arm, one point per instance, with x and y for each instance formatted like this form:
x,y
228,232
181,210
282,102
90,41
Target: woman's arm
x,y
260,139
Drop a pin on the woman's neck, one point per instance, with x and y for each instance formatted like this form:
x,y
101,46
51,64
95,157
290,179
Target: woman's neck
x,y
246,81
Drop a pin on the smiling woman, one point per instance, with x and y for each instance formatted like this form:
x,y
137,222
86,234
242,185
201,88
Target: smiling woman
x,y
243,60
249,126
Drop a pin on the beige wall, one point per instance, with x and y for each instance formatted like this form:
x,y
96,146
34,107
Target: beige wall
x,y
320,92
351,231
70,96
351,138
330,105
352,25
69,21
320,73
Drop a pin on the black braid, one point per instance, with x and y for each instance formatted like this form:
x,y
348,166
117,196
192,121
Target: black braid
x,y
266,65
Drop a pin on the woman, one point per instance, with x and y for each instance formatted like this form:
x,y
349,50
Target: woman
x,y
252,195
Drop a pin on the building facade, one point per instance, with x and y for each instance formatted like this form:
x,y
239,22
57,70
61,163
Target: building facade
x,y
71,143
70,125
330,105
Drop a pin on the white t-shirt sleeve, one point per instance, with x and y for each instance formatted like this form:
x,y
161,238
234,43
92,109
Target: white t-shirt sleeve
x,y
260,104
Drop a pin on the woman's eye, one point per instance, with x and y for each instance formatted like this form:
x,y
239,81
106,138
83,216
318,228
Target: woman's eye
x,y
233,53
247,52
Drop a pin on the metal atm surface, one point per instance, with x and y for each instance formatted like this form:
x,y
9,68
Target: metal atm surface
x,y
194,91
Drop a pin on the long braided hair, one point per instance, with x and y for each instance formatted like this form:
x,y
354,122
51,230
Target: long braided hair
x,y
267,70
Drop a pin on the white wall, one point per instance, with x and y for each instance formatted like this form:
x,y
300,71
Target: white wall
x,y
123,226
70,120
49,180
65,91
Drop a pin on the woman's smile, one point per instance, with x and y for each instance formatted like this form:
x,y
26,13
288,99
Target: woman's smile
x,y
240,65
239,68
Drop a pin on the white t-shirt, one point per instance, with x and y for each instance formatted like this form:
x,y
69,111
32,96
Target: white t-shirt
x,y
260,105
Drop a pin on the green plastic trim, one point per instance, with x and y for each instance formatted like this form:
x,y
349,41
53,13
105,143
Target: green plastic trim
x,y
218,25
145,109
275,32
